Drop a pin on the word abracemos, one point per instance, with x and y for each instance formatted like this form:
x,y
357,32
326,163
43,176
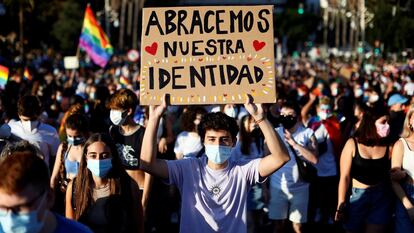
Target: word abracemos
x,y
183,22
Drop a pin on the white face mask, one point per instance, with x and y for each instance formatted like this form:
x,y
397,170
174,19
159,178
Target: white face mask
x,y
359,92
29,126
373,98
231,112
116,117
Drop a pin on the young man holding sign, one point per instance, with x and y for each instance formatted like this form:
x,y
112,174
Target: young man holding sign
x,y
213,188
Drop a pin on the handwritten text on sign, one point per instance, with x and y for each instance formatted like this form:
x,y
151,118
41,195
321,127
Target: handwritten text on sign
x,y
207,55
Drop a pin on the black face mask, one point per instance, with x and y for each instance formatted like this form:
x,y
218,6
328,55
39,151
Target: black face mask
x,y
288,121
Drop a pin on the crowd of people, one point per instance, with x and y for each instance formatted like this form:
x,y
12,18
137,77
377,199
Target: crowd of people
x,y
78,144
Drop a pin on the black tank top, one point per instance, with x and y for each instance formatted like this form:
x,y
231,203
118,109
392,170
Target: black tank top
x,y
370,171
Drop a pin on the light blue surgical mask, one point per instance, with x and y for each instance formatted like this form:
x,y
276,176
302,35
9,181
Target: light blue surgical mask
x,y
75,141
218,154
22,222
99,167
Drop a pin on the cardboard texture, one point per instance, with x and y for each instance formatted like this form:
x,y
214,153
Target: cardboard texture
x,y
207,55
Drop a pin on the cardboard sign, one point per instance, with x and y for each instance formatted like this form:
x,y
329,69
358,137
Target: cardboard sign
x,y
207,55
71,62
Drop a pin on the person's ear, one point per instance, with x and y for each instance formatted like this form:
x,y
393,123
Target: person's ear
x,y
130,112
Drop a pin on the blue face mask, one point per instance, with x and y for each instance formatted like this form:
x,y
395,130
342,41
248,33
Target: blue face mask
x,y
22,223
75,141
218,154
99,167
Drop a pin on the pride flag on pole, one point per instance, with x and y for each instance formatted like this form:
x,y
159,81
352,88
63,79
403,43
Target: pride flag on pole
x,y
94,40
4,76
124,81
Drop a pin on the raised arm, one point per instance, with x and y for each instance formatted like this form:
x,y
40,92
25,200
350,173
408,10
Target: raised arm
x,y
305,110
149,162
278,153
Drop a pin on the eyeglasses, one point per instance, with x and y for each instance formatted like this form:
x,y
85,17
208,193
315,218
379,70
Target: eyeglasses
x,y
22,208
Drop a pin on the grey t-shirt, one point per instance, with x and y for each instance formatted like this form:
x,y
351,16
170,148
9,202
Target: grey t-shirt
x,y
213,200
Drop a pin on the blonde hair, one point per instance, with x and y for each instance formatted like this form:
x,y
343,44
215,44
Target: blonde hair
x,y
407,129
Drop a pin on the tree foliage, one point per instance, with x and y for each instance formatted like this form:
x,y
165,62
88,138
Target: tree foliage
x,y
68,26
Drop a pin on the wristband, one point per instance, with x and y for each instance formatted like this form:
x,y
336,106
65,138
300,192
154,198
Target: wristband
x,y
260,120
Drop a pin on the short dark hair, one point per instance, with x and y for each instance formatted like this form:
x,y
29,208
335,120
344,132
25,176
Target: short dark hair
x,y
29,106
79,122
188,117
23,169
218,121
291,105
20,146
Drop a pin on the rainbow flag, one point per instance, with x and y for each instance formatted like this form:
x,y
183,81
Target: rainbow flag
x,y
4,76
27,75
94,40
124,81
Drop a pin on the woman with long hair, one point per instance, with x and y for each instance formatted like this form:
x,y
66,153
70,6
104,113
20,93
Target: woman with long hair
x,y
103,196
68,157
250,145
188,143
365,166
402,162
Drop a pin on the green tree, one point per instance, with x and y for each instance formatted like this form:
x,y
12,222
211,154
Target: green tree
x,y
66,30
22,5
395,31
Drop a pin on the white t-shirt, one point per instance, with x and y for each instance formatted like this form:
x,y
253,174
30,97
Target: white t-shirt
x,y
409,88
213,200
287,177
44,136
188,144
408,159
326,165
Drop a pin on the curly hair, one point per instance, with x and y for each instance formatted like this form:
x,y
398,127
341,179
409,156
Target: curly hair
x,y
218,121
123,99
188,117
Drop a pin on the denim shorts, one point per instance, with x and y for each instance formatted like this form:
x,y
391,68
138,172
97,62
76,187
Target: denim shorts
x,y
372,205
403,223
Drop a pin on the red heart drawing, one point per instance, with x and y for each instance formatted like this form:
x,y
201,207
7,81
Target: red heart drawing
x,y
175,61
224,57
200,59
249,58
258,45
152,49
225,95
158,62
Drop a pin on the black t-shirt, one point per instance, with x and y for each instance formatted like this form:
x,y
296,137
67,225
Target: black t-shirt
x,y
129,146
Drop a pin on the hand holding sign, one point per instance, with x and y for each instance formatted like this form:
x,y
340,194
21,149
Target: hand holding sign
x,y
255,110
